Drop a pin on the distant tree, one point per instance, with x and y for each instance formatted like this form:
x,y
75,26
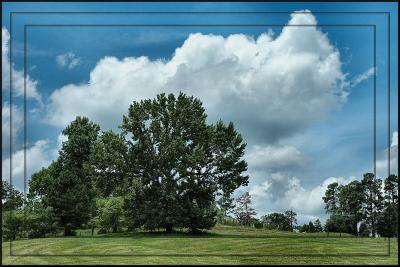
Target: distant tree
x,y
244,212
11,198
226,206
388,220
181,161
373,201
351,201
318,226
292,218
277,221
331,198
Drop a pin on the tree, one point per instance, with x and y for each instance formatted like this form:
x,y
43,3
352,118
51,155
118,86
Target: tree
x,y
244,213
39,220
373,200
181,161
226,206
277,221
11,198
351,201
331,198
66,184
109,214
109,164
291,217
318,226
388,220
12,224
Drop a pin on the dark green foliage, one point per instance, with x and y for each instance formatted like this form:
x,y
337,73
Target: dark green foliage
x,y
13,223
292,218
66,185
11,198
109,164
276,221
258,224
39,220
180,161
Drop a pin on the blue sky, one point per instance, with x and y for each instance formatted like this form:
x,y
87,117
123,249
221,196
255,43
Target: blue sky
x,y
300,133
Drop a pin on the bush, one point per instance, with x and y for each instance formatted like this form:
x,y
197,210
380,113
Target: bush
x,y
109,214
258,224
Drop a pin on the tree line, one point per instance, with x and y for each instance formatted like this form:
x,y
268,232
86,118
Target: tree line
x,y
164,170
366,208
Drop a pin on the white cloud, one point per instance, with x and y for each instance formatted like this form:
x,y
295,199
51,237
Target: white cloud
x,y
362,77
17,123
382,160
68,60
281,84
17,75
38,155
306,202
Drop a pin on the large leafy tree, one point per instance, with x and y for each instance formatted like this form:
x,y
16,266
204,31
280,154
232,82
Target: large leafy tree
x,y
181,161
66,184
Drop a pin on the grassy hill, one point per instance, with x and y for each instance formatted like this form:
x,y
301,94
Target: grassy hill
x,y
222,245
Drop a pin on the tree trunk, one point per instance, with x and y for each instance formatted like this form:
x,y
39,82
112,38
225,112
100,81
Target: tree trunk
x,y
115,229
168,228
67,231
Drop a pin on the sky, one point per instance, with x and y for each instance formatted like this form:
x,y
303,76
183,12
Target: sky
x,y
301,96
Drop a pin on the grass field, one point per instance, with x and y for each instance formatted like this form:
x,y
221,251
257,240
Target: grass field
x,y
222,245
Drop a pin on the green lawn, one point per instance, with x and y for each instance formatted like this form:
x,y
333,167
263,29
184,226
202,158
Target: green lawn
x,y
222,245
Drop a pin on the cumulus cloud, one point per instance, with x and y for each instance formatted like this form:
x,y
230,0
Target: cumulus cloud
x,y
281,84
293,195
382,160
17,75
68,60
17,123
38,155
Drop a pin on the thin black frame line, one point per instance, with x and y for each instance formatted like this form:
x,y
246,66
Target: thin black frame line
x,y
199,25
199,12
239,12
134,25
204,255
11,211
28,25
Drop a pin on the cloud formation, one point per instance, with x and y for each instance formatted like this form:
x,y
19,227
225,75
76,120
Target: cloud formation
x,y
68,60
17,75
281,84
17,123
39,155
382,160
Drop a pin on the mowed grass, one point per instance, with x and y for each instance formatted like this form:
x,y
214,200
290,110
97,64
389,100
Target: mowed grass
x,y
222,245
